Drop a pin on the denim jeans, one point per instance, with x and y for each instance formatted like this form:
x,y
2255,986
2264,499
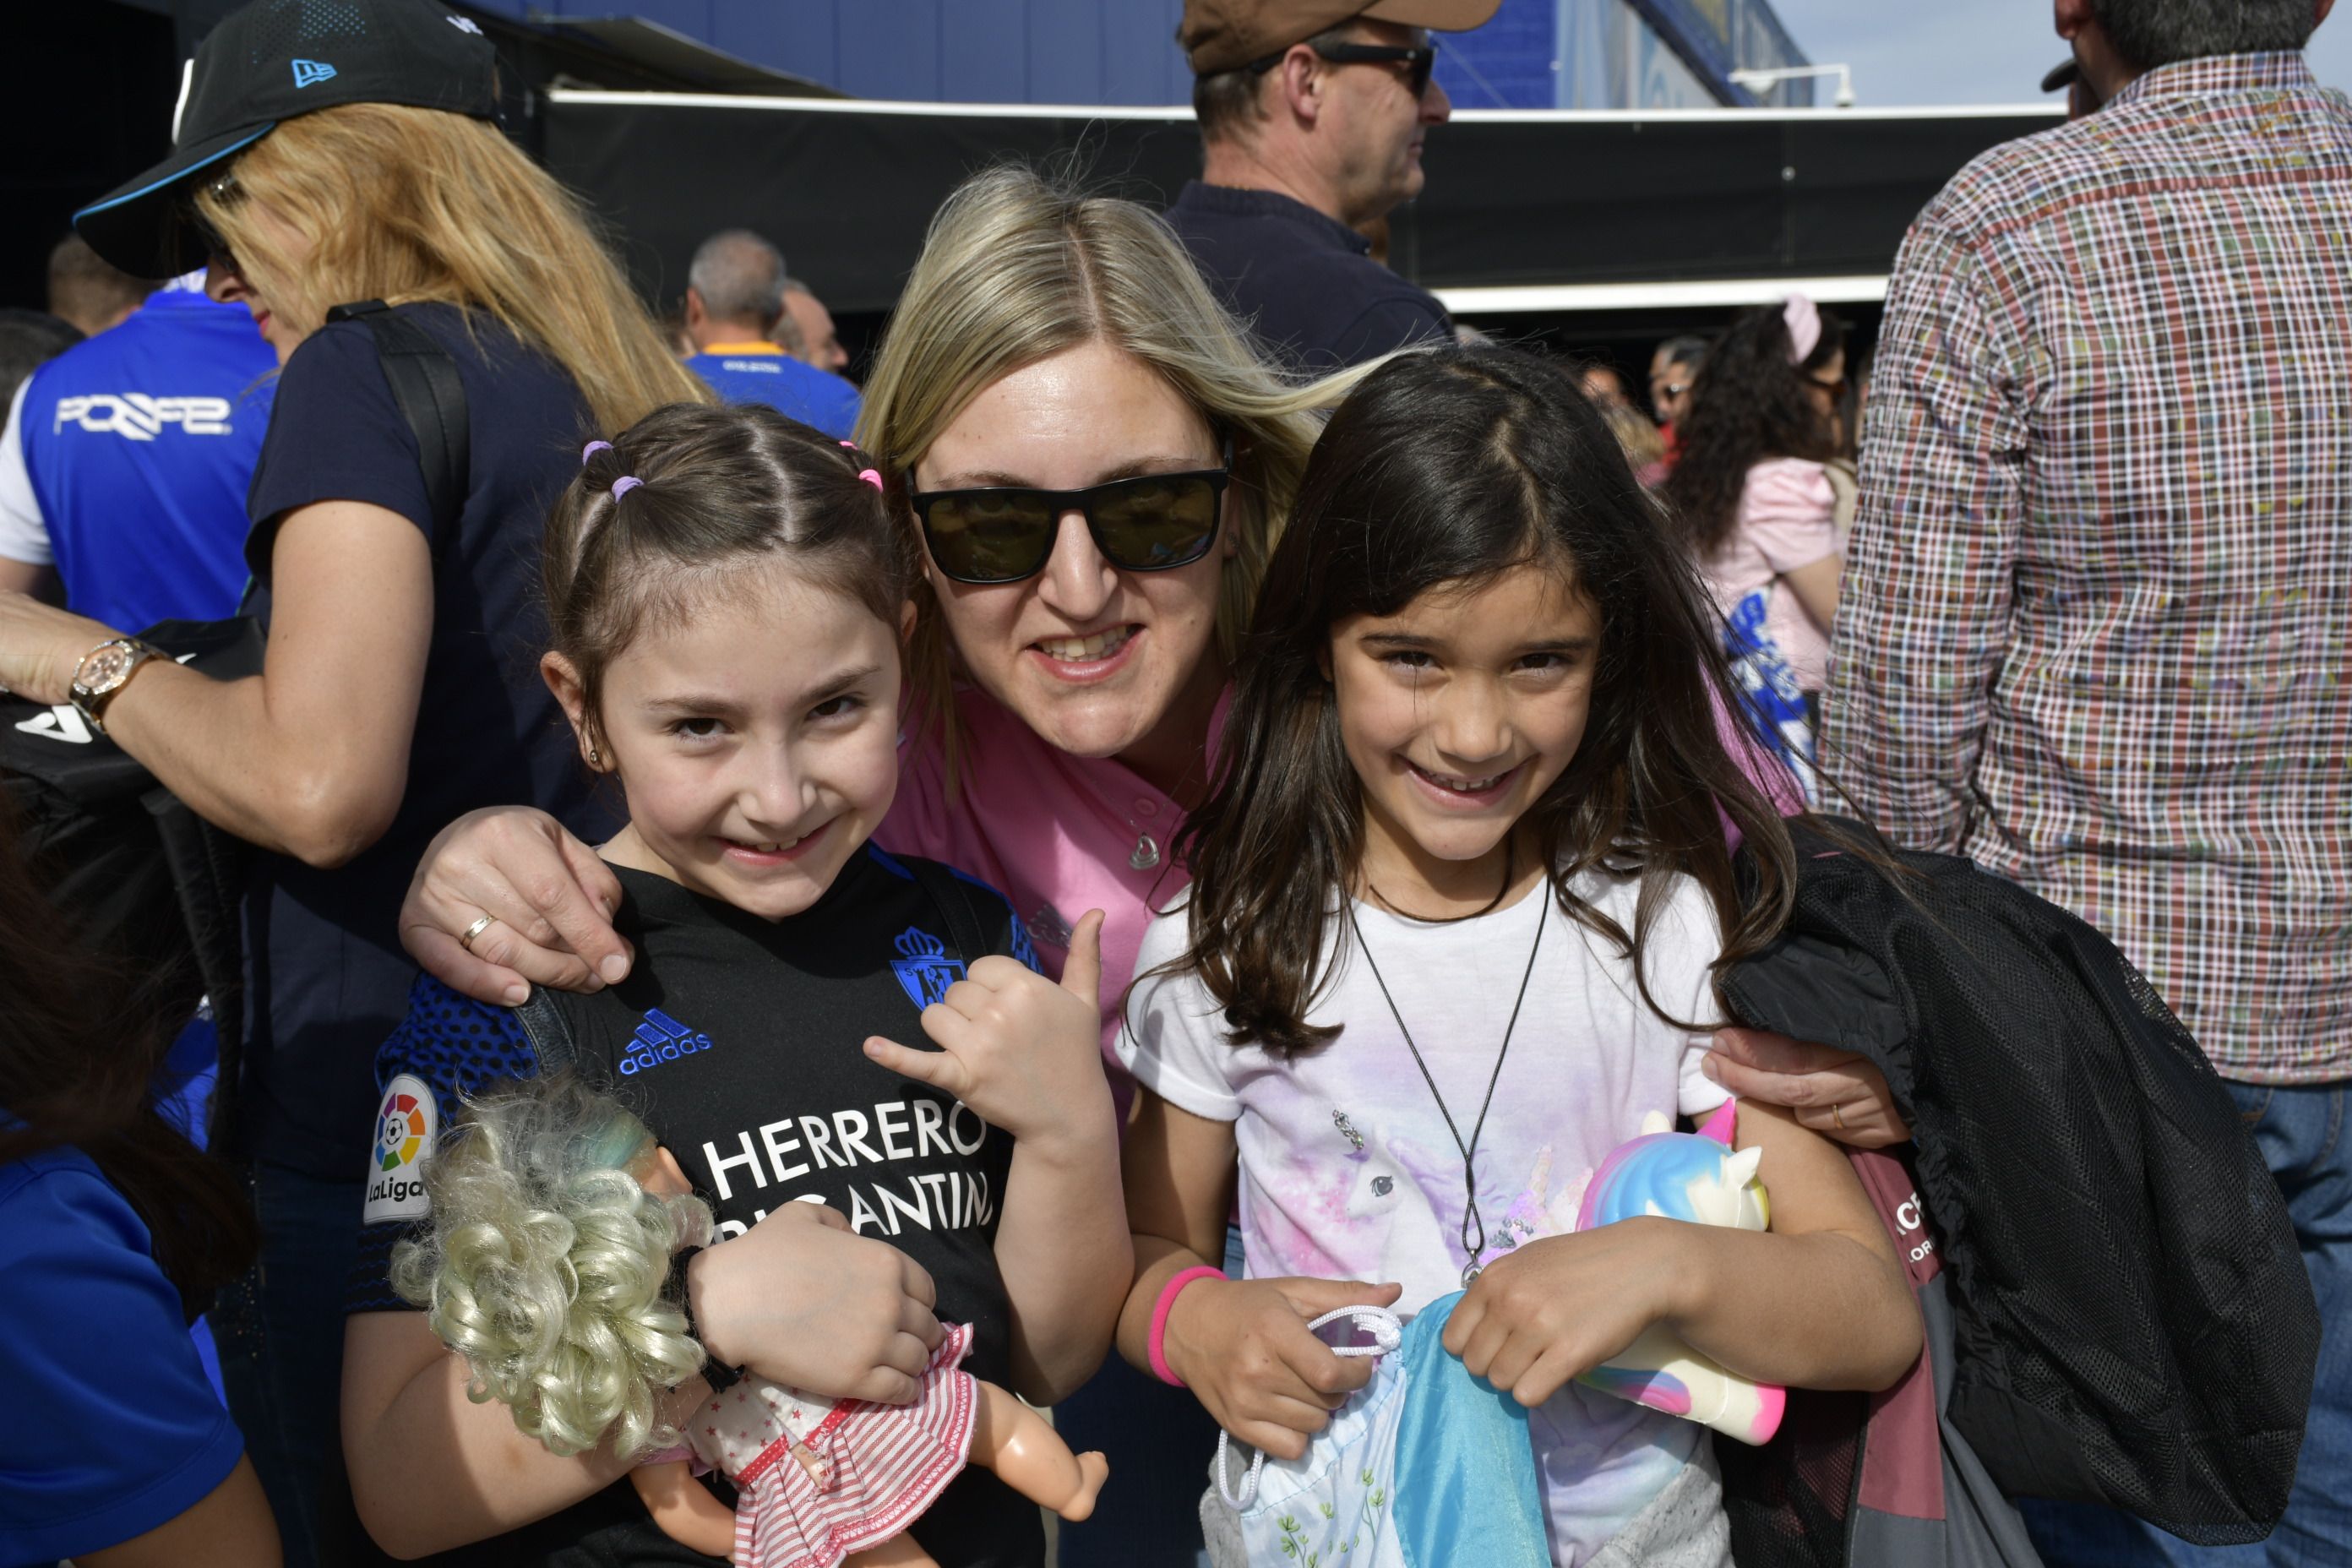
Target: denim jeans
x,y
2301,1133
279,1330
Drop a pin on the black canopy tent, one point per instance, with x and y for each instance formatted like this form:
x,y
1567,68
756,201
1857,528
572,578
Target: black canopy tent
x,y
1528,218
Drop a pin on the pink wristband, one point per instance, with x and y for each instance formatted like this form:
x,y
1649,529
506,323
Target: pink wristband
x,y
1168,1294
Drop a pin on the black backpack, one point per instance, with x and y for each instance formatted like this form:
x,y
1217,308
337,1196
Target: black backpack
x,y
142,876
2133,1325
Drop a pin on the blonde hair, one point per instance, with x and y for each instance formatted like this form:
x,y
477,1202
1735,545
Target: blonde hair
x,y
546,1262
407,205
1017,267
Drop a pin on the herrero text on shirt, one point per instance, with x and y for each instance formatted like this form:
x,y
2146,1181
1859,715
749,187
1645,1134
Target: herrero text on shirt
x,y
898,1132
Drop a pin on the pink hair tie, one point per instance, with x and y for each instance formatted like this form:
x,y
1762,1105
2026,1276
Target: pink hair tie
x,y
625,484
592,448
1803,320
870,477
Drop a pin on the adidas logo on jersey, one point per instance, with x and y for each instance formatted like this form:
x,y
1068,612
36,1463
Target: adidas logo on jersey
x,y
661,1039
139,418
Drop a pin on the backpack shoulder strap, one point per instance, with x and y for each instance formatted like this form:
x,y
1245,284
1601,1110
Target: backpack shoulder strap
x,y
432,397
949,893
549,1031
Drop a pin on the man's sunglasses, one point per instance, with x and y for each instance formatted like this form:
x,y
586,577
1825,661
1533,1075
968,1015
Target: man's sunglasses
x,y
1151,523
1418,60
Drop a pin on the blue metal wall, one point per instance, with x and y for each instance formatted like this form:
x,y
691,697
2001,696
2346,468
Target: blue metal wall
x,y
1535,54
950,51
1617,53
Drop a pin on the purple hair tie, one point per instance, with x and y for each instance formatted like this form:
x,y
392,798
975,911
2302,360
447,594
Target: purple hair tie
x,y
625,484
592,448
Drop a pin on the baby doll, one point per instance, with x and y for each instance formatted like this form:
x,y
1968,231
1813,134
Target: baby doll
x,y
546,1264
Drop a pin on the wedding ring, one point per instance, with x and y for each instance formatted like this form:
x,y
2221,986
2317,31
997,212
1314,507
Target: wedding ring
x,y
477,929
1837,1115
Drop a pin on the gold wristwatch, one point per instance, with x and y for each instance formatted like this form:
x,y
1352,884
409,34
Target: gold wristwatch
x,y
105,670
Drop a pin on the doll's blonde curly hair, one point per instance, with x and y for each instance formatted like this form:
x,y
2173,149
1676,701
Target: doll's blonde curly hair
x,y
546,1261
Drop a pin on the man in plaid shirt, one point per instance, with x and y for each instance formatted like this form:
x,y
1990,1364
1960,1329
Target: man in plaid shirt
x,y
2095,630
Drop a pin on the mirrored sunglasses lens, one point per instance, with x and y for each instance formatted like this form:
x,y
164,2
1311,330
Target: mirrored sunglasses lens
x,y
987,537
1154,523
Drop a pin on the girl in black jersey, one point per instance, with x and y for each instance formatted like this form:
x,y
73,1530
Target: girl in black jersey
x,y
727,595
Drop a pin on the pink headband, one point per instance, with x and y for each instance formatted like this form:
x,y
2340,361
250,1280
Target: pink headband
x,y
1804,324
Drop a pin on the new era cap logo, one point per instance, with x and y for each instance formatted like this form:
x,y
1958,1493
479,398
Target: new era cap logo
x,y
309,72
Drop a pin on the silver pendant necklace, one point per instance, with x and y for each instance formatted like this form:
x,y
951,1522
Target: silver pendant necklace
x,y
1145,855
1473,1223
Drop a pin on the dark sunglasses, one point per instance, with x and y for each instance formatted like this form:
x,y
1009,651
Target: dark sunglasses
x,y
1419,60
1154,522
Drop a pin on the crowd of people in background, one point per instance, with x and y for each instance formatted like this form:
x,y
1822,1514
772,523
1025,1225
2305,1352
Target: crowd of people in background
x,y
961,799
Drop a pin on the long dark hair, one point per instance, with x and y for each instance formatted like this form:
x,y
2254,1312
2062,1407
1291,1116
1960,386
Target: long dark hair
x,y
78,1061
1747,404
1450,467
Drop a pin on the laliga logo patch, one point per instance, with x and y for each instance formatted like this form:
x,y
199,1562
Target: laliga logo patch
x,y
404,1128
922,966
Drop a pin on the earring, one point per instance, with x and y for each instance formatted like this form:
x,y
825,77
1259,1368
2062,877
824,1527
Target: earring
x,y
593,759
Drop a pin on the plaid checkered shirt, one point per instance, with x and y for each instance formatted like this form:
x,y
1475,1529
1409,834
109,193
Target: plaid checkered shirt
x,y
2096,623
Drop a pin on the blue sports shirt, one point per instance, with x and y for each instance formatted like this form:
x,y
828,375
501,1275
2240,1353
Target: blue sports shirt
x,y
111,1429
763,372
130,455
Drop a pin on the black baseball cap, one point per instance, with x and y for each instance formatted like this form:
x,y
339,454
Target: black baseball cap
x,y
270,61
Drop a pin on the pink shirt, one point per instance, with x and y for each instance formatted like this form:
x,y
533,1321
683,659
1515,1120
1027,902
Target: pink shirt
x,y
1786,520
1056,834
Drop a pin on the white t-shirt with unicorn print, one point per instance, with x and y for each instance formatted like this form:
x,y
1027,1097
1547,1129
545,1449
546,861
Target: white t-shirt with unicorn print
x,y
1347,1170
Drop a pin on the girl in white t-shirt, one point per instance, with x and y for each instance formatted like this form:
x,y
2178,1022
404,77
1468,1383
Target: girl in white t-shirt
x,y
1457,897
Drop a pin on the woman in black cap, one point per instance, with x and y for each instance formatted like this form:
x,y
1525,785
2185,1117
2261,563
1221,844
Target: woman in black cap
x,y
326,155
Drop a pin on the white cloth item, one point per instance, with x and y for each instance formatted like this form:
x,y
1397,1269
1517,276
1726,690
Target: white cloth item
x,y
1347,1170
23,534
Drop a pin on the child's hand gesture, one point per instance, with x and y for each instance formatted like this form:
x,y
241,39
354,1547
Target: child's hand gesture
x,y
1244,1349
1565,1304
1022,1051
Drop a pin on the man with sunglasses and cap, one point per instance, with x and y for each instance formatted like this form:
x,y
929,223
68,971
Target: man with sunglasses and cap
x,y
1312,114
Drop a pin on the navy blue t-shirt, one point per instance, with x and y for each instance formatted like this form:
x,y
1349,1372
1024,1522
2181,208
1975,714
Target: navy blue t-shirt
x,y
1305,283
110,1429
762,373
328,978
739,1042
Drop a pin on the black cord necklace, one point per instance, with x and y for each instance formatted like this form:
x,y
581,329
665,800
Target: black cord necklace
x,y
1471,1245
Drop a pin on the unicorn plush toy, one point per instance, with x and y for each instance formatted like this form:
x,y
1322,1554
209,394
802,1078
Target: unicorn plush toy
x,y
1695,1178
